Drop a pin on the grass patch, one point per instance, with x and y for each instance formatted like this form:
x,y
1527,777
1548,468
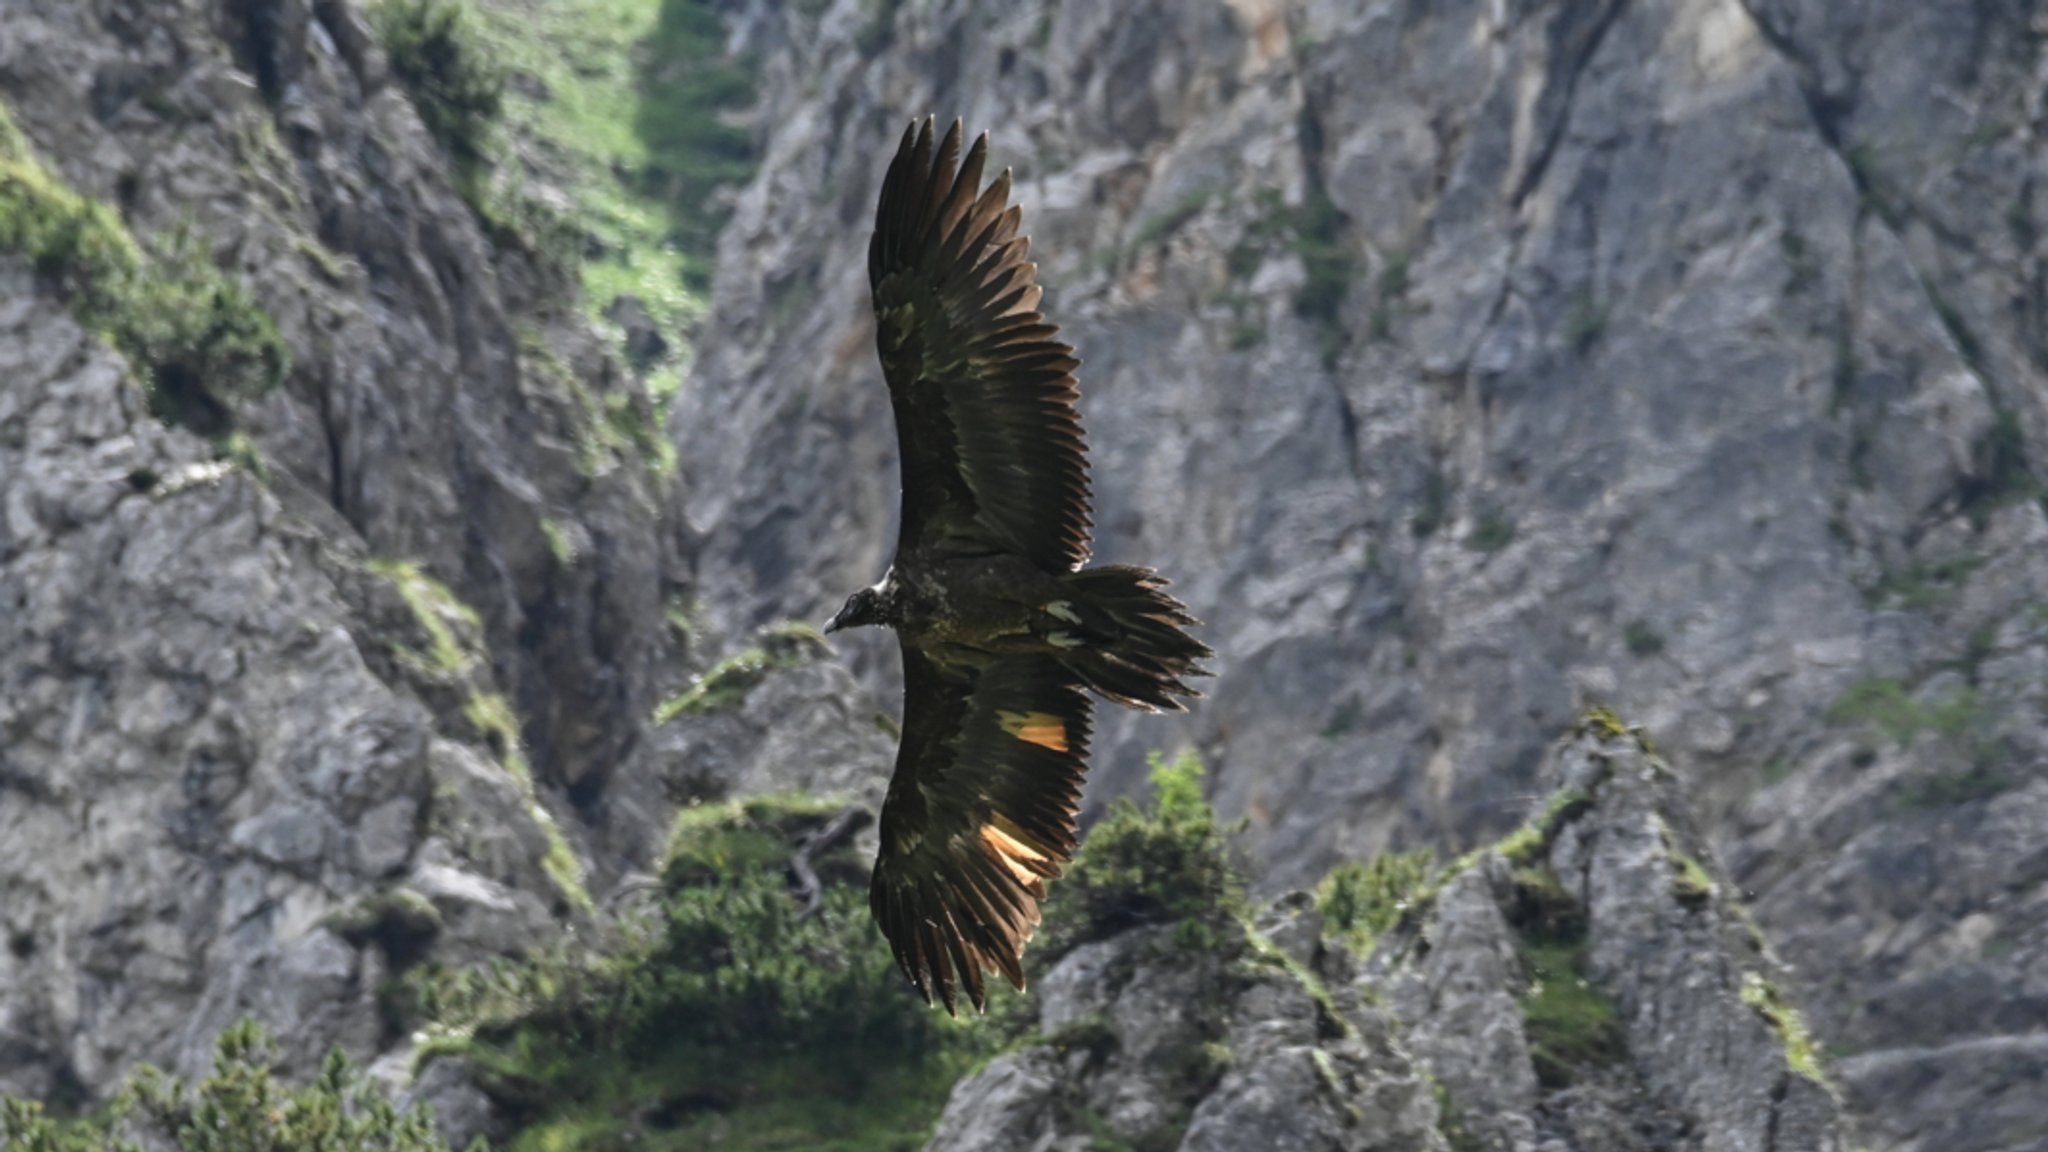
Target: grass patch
x,y
401,922
1361,901
622,427
1393,287
1314,232
198,341
559,545
1691,883
1450,1120
628,102
1802,1051
2002,474
1320,242
240,1106
454,79
1525,846
492,716
1569,1024
727,683
1958,722
443,617
448,659
1950,789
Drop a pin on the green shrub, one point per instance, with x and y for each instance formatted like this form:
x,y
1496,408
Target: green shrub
x,y
203,341
734,1015
1153,865
76,243
1361,901
1569,1023
240,1107
454,84
199,342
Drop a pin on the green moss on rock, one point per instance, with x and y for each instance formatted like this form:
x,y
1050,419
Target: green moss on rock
x,y
727,683
198,340
1802,1051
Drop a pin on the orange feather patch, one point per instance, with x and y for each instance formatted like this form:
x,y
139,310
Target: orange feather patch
x,y
1041,728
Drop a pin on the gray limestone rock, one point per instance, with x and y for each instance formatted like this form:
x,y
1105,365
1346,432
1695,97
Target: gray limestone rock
x,y
1470,364
1679,1036
1464,363
222,721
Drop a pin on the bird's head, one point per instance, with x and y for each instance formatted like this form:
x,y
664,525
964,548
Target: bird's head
x,y
861,608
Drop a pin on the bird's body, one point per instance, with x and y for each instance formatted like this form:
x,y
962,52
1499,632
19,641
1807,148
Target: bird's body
x,y
1003,629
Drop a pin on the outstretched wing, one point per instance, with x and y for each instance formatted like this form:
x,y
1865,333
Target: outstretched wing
x,y
983,391
980,813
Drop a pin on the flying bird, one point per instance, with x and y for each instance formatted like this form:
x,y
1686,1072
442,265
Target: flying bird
x,y
1004,631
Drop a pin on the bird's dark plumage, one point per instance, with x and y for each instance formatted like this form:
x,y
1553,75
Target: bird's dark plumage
x,y
1003,632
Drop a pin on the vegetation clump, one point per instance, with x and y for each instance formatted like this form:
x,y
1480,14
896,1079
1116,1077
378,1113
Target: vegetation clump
x,y
1691,883
1886,705
1163,863
740,1013
240,1107
1568,1022
1959,724
1359,902
1802,1051
442,617
197,339
401,922
456,86
727,683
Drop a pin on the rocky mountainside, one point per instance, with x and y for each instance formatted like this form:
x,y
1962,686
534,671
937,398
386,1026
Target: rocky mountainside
x,y
1468,363
390,539
1584,984
270,656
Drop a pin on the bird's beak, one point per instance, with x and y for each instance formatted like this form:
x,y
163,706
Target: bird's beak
x,y
834,624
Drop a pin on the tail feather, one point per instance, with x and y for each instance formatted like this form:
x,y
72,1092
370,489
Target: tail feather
x,y
1121,632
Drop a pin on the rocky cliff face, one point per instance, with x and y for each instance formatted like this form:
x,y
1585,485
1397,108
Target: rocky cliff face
x,y
1467,363
1585,984
392,643
1464,363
